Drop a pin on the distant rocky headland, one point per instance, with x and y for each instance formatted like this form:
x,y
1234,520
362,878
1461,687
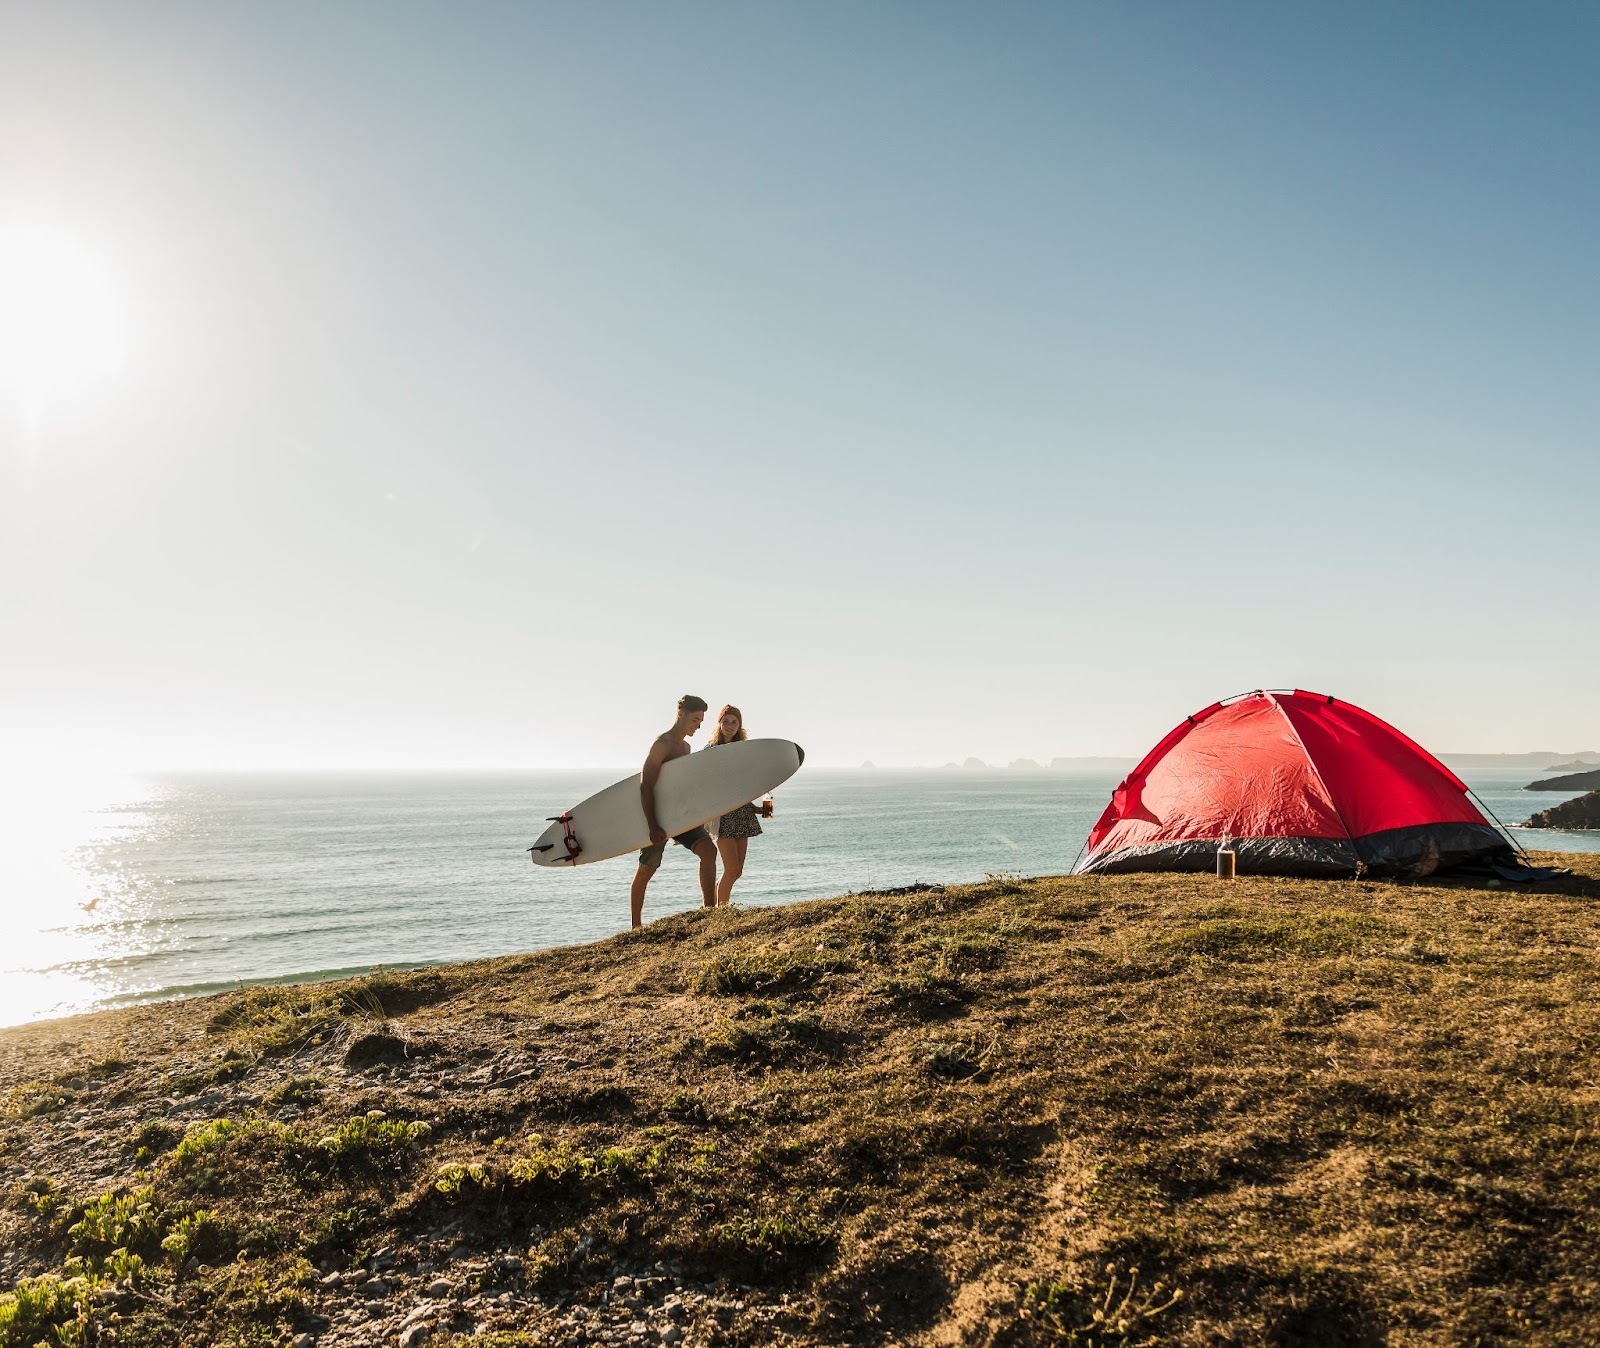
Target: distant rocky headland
x,y
1577,781
1056,764
1542,761
1584,812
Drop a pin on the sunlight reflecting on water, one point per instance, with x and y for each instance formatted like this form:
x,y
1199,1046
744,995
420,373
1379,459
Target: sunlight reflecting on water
x,y
65,907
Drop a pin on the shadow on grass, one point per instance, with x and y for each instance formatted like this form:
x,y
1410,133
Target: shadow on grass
x,y
1571,885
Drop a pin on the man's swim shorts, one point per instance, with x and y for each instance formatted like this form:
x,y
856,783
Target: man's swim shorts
x,y
650,858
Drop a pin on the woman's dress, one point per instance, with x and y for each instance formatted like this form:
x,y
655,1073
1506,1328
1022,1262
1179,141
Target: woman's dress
x,y
740,823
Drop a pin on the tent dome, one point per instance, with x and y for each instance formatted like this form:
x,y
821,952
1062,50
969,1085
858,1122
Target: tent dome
x,y
1302,784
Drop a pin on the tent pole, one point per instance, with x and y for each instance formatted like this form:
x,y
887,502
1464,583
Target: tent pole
x,y
1316,772
1504,831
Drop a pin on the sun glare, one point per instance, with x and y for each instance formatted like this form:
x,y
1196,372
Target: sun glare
x,y
64,907
62,327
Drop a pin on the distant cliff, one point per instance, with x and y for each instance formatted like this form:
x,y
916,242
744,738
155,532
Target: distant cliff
x,y
1581,813
1577,781
1094,764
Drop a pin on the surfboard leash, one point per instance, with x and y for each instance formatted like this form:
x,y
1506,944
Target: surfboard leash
x,y
574,848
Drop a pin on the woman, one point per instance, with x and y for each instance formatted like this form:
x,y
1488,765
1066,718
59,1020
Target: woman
x,y
735,829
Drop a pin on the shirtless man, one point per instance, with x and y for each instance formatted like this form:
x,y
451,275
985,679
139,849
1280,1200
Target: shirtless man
x,y
673,744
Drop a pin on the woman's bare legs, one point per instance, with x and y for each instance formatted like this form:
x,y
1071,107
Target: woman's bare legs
x,y
732,851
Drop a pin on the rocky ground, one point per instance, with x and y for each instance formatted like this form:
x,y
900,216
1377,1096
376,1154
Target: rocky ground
x,y
439,1284
466,1294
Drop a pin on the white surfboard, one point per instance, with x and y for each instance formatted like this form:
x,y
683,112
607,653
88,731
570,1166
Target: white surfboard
x,y
691,791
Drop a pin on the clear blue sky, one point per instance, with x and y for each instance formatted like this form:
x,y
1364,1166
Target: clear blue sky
x,y
930,380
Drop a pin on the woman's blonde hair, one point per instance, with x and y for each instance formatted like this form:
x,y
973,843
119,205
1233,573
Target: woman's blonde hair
x,y
717,736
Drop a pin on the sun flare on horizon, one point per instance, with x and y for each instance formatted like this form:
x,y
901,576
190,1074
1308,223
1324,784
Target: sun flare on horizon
x,y
63,325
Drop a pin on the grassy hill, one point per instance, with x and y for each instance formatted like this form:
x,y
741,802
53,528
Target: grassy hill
x,y
1099,1110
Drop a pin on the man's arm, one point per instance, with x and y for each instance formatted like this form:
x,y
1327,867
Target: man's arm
x,y
647,792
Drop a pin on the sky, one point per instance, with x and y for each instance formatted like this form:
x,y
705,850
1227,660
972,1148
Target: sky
x,y
424,386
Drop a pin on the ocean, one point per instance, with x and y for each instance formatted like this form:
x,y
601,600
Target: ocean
x,y
143,888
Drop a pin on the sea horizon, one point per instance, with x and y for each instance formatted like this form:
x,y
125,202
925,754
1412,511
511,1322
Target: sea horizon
x,y
1059,762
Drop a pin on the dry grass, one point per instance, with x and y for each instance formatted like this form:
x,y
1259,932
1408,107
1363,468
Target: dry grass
x,y
1263,1112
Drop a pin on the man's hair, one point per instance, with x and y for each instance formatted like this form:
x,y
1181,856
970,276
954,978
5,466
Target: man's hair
x,y
689,702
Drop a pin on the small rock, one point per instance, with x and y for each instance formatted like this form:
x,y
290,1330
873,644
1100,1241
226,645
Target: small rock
x,y
390,1043
415,1335
305,1341
671,1334
622,1283
334,1279
440,1287
426,1311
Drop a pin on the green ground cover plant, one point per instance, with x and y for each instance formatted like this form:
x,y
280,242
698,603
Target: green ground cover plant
x,y
59,1308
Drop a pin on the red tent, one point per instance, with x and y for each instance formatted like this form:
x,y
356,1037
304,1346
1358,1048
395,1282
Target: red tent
x,y
1302,784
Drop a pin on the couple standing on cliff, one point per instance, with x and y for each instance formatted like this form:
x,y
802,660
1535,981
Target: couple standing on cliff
x,y
734,829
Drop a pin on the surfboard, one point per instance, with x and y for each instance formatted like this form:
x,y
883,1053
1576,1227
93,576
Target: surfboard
x,y
691,791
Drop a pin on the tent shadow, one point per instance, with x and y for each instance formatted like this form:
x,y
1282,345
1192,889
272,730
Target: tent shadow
x,y
1572,885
